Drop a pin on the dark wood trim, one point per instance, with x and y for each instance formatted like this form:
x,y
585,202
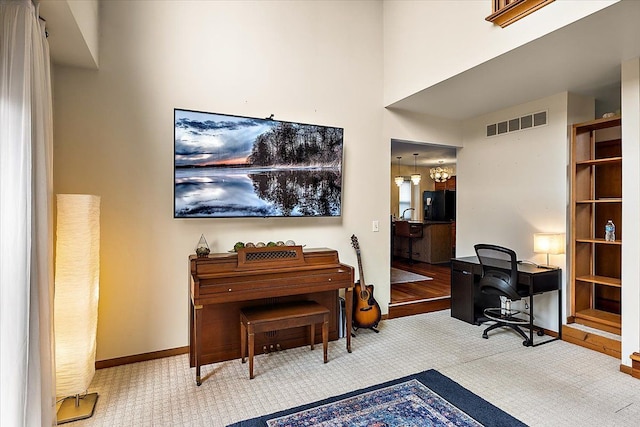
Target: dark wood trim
x,y
418,297
548,332
514,11
634,370
627,370
109,363
418,307
592,341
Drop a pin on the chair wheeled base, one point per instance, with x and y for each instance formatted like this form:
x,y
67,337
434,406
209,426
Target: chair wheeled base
x,y
509,319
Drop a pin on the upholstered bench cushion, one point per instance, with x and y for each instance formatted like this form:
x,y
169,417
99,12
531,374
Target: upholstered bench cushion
x,y
281,316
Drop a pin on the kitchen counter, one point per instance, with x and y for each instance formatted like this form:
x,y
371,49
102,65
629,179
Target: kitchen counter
x,y
424,223
434,247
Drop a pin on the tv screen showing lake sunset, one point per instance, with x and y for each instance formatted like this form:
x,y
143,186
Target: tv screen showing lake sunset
x,y
230,166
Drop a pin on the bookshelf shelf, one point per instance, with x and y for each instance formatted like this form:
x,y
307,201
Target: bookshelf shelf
x,y
596,196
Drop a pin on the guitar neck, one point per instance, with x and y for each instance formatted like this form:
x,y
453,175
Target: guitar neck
x,y
360,272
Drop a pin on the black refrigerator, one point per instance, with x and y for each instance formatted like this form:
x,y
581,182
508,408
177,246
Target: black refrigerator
x,y
439,205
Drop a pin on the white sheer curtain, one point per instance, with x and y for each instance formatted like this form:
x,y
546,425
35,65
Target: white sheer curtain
x,y
26,236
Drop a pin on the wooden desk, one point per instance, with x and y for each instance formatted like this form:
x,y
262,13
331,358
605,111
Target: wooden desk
x,y
468,303
222,284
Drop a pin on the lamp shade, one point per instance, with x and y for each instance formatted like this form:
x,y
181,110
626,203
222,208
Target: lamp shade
x,y
548,243
415,177
77,273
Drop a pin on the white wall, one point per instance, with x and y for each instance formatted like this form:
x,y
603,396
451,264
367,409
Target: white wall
x,y
420,129
513,185
426,42
630,209
86,14
314,62
72,31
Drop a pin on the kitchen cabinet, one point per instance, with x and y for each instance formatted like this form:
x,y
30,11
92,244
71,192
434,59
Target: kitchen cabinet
x,y
449,184
434,247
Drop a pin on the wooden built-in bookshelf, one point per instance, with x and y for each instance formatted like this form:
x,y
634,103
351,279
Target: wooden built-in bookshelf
x,y
596,196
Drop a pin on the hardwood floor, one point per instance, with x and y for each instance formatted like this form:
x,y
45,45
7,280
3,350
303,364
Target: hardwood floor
x,y
421,296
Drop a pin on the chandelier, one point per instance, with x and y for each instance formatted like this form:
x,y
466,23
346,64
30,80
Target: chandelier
x,y
440,173
415,178
399,179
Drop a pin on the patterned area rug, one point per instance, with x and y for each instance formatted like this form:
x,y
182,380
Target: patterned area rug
x,y
401,276
425,399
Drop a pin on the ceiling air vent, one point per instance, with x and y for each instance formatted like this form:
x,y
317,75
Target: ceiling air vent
x,y
527,121
540,118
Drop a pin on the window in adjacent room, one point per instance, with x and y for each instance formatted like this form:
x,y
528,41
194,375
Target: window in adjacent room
x,y
405,199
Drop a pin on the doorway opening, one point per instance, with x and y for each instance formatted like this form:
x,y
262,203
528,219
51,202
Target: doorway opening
x,y
424,201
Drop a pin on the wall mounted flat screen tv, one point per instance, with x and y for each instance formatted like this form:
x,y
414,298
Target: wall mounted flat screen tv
x,y
230,166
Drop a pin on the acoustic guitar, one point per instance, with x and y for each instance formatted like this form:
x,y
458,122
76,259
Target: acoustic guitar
x,y
366,311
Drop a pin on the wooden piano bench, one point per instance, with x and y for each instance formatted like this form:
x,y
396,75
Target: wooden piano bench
x,y
281,316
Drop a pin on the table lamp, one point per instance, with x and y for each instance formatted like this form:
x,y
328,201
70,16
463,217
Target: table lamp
x,y
76,303
548,243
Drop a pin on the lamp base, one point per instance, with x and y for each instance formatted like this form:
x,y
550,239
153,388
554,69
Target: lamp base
x,y
74,409
548,267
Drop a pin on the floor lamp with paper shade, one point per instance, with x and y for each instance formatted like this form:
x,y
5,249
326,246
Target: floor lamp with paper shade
x,y
77,271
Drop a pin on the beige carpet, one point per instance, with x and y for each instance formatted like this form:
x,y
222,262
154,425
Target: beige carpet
x,y
556,384
401,276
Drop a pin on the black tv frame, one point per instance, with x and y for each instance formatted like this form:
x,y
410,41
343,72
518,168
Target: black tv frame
x,y
230,166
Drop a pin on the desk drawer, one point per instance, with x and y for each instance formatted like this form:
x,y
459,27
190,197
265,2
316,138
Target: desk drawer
x,y
466,267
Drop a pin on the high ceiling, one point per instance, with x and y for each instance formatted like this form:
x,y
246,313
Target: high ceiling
x,y
428,155
66,37
582,58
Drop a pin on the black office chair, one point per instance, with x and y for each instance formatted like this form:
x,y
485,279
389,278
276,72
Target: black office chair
x,y
500,278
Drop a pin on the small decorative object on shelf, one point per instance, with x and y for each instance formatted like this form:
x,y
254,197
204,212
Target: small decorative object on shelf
x,y
271,244
610,231
202,249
